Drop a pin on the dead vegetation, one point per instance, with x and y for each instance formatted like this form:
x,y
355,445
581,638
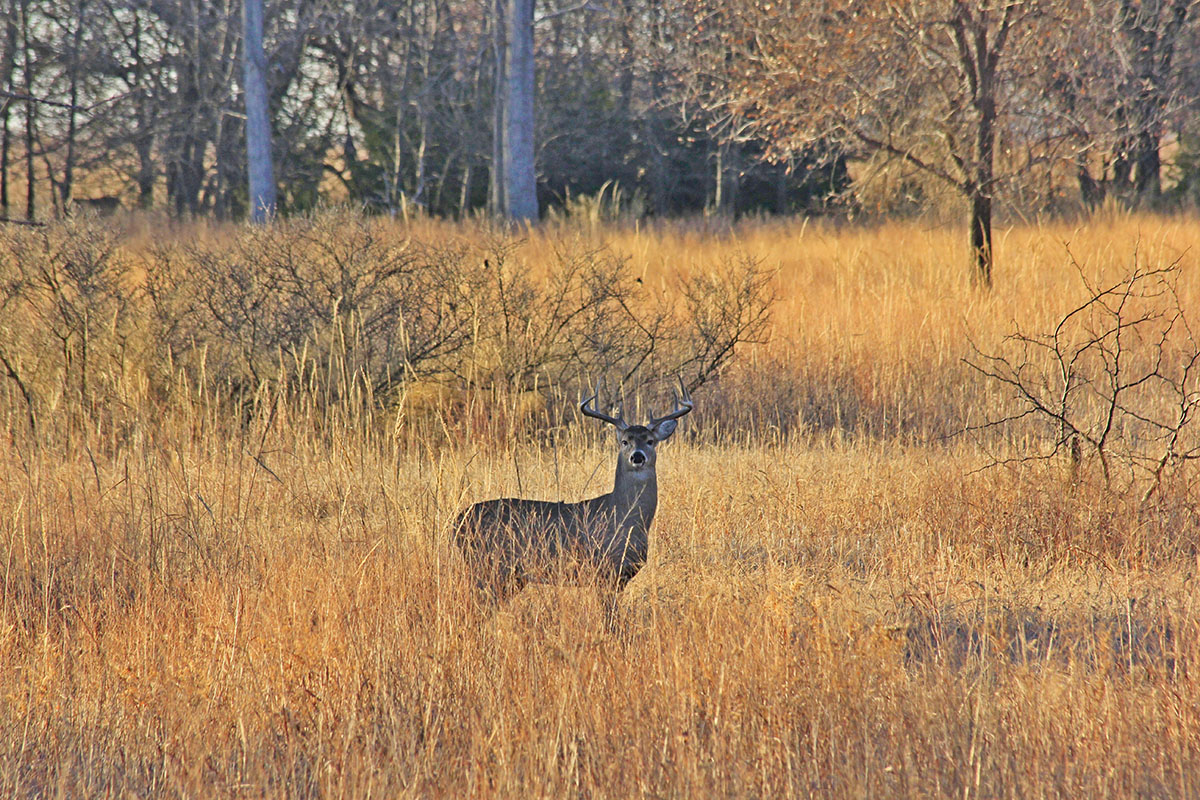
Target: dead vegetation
x,y
226,568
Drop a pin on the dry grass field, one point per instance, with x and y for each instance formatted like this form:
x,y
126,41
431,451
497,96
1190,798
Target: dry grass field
x,y
216,586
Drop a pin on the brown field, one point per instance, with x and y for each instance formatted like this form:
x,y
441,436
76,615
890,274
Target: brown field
x,y
207,593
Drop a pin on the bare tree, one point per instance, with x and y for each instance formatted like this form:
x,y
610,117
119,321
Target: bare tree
x,y
402,103
8,70
1147,34
414,88
1124,76
30,113
931,85
73,67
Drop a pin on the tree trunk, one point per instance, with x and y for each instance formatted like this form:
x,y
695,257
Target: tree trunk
x,y
30,106
231,175
1091,191
652,145
718,202
144,145
258,118
1146,35
1137,166
500,47
184,149
981,237
520,184
1122,165
5,147
7,71
979,189
143,140
68,182
464,194
184,170
1147,164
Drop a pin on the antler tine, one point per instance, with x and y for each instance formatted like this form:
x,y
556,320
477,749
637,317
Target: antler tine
x,y
596,413
683,404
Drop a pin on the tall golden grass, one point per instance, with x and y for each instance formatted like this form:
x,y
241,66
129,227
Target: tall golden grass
x,y
202,597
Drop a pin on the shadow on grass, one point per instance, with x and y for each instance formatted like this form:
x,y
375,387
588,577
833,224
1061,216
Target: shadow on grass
x,y
1137,642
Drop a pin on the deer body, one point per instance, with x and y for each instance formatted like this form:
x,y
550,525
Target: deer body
x,y
512,541
102,206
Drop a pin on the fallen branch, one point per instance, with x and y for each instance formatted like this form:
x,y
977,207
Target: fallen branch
x,y
31,223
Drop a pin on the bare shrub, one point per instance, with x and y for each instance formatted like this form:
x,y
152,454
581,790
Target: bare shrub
x,y
335,297
726,309
66,315
350,309
349,312
588,316
1117,378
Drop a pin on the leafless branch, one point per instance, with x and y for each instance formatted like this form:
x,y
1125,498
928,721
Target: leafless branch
x,y
1117,374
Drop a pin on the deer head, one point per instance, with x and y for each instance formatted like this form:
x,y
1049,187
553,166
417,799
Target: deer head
x,y
638,442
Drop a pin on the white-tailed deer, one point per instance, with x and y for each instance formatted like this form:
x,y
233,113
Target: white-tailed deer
x,y
100,206
510,542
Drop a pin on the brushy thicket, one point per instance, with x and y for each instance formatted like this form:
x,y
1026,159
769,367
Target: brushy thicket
x,y
363,321
231,457
355,314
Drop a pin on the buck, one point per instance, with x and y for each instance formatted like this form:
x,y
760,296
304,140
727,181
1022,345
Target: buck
x,y
511,542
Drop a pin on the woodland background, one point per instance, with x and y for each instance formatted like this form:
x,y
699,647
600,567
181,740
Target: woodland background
x,y
664,107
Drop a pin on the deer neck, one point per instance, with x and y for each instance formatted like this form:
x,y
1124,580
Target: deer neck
x,y
634,497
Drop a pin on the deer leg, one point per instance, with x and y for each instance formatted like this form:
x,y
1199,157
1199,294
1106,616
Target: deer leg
x,y
500,591
496,583
610,596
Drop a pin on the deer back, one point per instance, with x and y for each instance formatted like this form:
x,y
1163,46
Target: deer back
x,y
519,538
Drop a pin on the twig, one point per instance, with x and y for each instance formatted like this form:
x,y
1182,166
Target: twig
x,y
29,98
31,223
12,373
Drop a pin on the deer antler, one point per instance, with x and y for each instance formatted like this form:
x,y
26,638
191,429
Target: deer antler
x,y
683,404
595,412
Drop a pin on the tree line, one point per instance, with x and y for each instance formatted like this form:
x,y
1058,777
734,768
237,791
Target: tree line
x,y
663,107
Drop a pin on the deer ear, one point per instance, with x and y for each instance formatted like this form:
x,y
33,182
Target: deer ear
x,y
664,429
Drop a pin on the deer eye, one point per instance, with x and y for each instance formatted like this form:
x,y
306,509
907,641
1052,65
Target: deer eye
x,y
624,443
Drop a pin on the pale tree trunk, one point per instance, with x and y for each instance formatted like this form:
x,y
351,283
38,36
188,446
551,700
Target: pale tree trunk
x,y
258,121
7,69
514,187
500,48
27,63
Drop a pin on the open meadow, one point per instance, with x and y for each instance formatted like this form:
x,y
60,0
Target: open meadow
x,y
230,461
